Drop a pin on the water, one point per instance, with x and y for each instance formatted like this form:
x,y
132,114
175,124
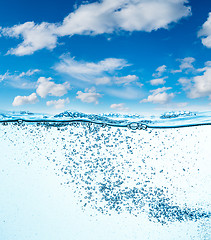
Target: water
x,y
108,176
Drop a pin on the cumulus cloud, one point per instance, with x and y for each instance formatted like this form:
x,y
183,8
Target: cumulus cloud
x,y
106,16
159,96
198,86
120,107
90,71
22,100
185,82
58,104
35,37
205,32
185,64
89,96
159,71
47,87
158,81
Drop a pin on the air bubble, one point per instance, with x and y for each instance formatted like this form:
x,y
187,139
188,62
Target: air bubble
x,y
133,126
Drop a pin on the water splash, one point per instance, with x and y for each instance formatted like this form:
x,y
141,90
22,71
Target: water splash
x,y
134,121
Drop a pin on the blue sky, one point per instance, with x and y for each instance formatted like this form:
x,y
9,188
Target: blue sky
x,y
105,56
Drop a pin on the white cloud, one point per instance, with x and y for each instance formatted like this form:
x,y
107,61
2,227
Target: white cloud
x,y
186,83
119,107
186,64
4,76
21,100
159,71
47,87
207,65
29,73
124,92
159,96
198,86
205,32
58,103
102,80
158,81
125,79
19,80
35,37
90,71
139,84
89,96
99,73
106,16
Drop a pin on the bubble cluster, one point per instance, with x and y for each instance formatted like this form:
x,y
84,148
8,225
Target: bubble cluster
x,y
153,172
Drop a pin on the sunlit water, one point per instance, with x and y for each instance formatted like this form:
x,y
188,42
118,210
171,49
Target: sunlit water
x,y
78,176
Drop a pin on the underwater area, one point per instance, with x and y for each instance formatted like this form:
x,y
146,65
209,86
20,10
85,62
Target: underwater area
x,y
107,176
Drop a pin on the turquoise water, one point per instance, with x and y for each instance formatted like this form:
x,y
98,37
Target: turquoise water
x,y
108,176
134,121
